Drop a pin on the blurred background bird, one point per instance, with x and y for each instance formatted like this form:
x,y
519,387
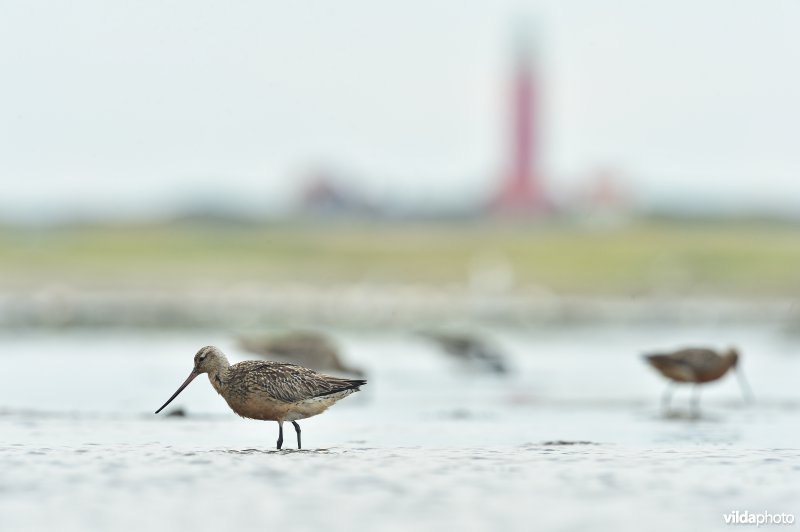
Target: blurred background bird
x,y
470,350
311,349
696,366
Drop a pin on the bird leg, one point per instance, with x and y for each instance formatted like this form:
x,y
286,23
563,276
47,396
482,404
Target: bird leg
x,y
746,391
280,434
297,430
695,401
666,398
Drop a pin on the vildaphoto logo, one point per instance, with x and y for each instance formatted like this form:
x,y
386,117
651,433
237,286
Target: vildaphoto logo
x,y
762,518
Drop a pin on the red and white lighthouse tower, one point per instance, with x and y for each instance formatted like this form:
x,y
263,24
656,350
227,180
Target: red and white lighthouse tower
x,y
522,192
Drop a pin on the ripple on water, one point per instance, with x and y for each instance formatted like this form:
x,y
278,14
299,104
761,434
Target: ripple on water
x,y
281,452
40,451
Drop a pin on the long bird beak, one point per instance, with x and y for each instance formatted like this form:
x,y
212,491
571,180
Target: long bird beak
x,y
192,375
746,391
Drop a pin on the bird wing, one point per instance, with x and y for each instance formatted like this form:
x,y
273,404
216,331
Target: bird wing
x,y
685,365
700,359
291,383
671,368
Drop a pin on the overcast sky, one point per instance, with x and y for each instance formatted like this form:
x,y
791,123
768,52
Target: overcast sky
x,y
127,107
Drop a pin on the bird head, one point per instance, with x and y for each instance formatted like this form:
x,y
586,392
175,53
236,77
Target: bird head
x,y
207,359
732,356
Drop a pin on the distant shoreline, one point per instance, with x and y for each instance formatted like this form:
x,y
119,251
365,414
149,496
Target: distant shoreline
x,y
368,305
736,259
192,275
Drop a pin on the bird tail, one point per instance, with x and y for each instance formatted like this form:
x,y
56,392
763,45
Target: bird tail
x,y
354,384
658,360
344,385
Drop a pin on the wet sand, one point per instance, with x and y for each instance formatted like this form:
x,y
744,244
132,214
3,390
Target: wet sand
x,y
201,486
425,446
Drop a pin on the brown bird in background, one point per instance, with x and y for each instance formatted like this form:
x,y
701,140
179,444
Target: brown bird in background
x,y
470,349
270,391
696,366
306,348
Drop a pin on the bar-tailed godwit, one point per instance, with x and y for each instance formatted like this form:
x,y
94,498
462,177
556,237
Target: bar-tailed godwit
x,y
270,391
307,348
470,349
696,366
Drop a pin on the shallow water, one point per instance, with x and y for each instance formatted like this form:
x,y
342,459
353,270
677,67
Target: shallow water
x,y
427,444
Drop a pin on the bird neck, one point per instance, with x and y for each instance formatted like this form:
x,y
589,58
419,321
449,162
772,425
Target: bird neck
x,y
218,375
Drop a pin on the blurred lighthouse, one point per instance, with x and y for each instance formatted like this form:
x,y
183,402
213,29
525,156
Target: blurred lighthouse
x,y
522,191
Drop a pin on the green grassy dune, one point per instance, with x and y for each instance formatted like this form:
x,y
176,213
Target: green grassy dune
x,y
709,258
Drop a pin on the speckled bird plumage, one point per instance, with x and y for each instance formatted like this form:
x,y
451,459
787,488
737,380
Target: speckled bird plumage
x,y
270,391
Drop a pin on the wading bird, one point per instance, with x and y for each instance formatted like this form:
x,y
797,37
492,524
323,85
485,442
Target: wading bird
x,y
270,391
696,366
471,350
